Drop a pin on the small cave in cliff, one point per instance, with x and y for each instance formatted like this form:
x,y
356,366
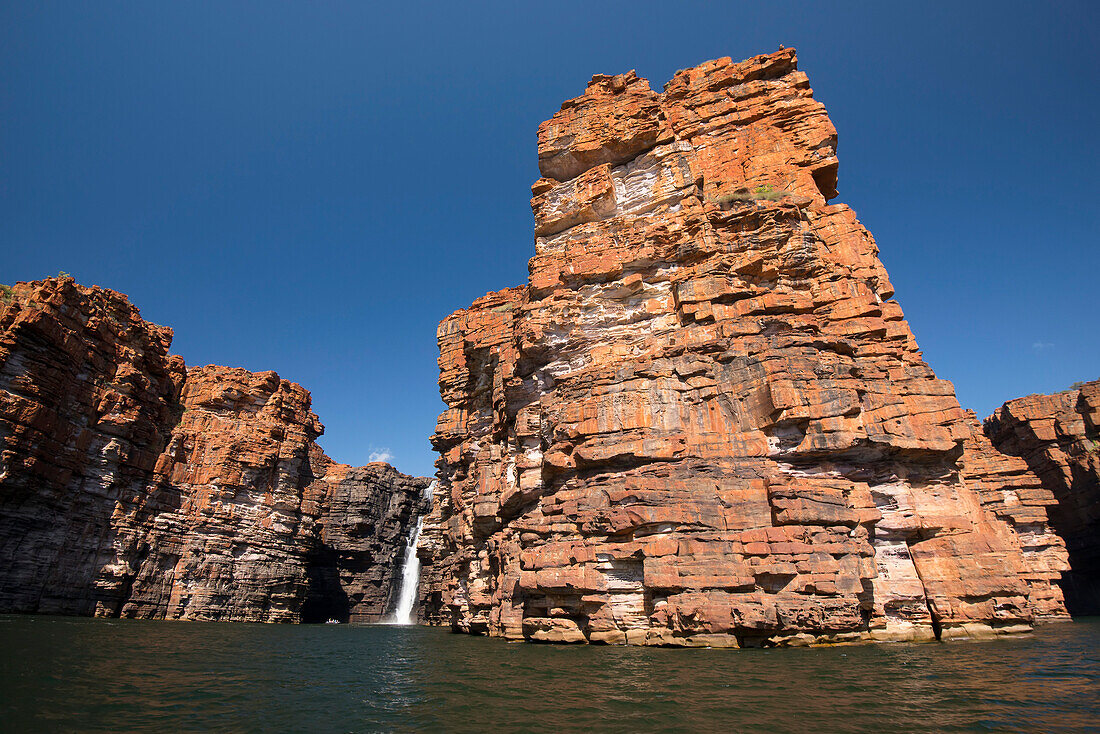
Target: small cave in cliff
x,y
826,180
326,598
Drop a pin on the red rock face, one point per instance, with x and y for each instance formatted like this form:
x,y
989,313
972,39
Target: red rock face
x,y
704,420
132,487
1058,436
87,394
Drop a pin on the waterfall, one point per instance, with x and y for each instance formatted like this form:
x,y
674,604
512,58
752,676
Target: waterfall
x,y
410,579
410,571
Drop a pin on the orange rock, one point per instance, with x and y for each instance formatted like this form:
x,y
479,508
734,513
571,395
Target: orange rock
x,y
706,368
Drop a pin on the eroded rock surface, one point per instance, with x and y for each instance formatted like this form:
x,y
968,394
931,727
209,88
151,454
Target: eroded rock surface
x,y
704,420
1059,437
131,486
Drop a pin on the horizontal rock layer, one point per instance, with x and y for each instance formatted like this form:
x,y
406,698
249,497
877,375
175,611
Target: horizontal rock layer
x,y
131,486
1059,438
704,420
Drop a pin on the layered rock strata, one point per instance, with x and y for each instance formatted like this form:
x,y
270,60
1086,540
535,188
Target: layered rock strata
x,y
704,420
131,486
1059,437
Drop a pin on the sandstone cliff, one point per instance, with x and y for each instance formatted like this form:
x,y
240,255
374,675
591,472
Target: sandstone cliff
x,y
1059,438
131,486
704,420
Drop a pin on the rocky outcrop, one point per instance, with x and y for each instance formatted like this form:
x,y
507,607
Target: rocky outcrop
x,y
131,486
704,420
88,398
1058,436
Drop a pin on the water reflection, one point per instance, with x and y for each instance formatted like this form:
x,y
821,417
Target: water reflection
x,y
1048,681
95,675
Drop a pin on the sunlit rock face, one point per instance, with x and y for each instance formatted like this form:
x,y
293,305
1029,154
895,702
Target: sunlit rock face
x,y
131,486
704,420
1059,437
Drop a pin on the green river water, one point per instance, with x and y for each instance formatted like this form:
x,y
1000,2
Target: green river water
x,y
81,675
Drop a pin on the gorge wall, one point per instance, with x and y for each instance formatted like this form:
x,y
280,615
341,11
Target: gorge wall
x,y
132,486
704,420
1059,438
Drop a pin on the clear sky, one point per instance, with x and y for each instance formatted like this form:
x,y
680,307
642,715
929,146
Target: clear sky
x,y
311,187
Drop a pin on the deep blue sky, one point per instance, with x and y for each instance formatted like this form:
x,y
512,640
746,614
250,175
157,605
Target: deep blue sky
x,y
311,187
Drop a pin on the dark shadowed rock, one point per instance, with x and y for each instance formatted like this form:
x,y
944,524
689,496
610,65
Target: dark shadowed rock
x,y
1059,437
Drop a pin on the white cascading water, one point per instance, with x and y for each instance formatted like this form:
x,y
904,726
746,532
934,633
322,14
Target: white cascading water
x,y
410,579
410,571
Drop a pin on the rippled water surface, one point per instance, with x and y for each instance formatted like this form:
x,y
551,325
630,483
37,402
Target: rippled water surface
x,y
69,674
